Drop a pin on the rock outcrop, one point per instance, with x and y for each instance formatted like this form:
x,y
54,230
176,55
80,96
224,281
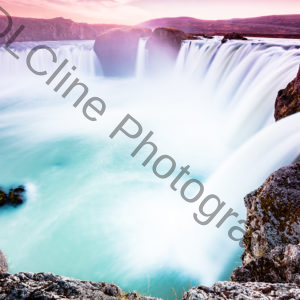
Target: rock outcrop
x,y
272,253
273,213
14,197
3,263
117,50
47,286
288,100
244,291
163,47
233,36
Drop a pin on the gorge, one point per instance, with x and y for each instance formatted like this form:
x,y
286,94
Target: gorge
x,y
214,106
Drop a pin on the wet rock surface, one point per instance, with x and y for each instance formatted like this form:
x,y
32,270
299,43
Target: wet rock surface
x,y
244,291
14,197
288,99
47,286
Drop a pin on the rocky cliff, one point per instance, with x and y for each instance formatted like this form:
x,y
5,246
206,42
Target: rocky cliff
x,y
117,50
273,213
288,100
163,47
272,253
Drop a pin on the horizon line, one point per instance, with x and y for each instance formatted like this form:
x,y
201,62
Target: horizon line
x,y
161,18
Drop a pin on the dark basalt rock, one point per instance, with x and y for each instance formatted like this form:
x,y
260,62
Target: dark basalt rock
x,y
233,36
244,291
3,263
288,100
14,197
117,50
47,286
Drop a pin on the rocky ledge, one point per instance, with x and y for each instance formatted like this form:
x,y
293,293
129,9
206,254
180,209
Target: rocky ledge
x,y
46,286
244,291
288,100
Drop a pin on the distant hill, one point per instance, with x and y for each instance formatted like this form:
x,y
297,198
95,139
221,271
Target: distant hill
x,y
53,29
277,26
64,29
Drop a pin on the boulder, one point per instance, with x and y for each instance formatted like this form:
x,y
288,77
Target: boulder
x,y
14,197
273,213
288,100
3,263
163,47
244,291
117,50
280,265
47,286
233,36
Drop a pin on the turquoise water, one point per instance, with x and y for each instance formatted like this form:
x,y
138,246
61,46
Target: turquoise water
x,y
64,226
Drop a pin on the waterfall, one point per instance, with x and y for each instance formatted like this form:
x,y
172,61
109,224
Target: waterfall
x,y
79,54
141,58
90,202
241,78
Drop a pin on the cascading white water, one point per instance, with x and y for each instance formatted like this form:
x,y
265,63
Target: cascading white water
x,y
94,212
248,76
79,54
141,58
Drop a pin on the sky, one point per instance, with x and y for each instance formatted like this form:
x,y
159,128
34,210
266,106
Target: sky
x,y
132,12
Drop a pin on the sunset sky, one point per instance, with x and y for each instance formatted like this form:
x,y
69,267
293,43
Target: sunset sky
x,y
136,11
